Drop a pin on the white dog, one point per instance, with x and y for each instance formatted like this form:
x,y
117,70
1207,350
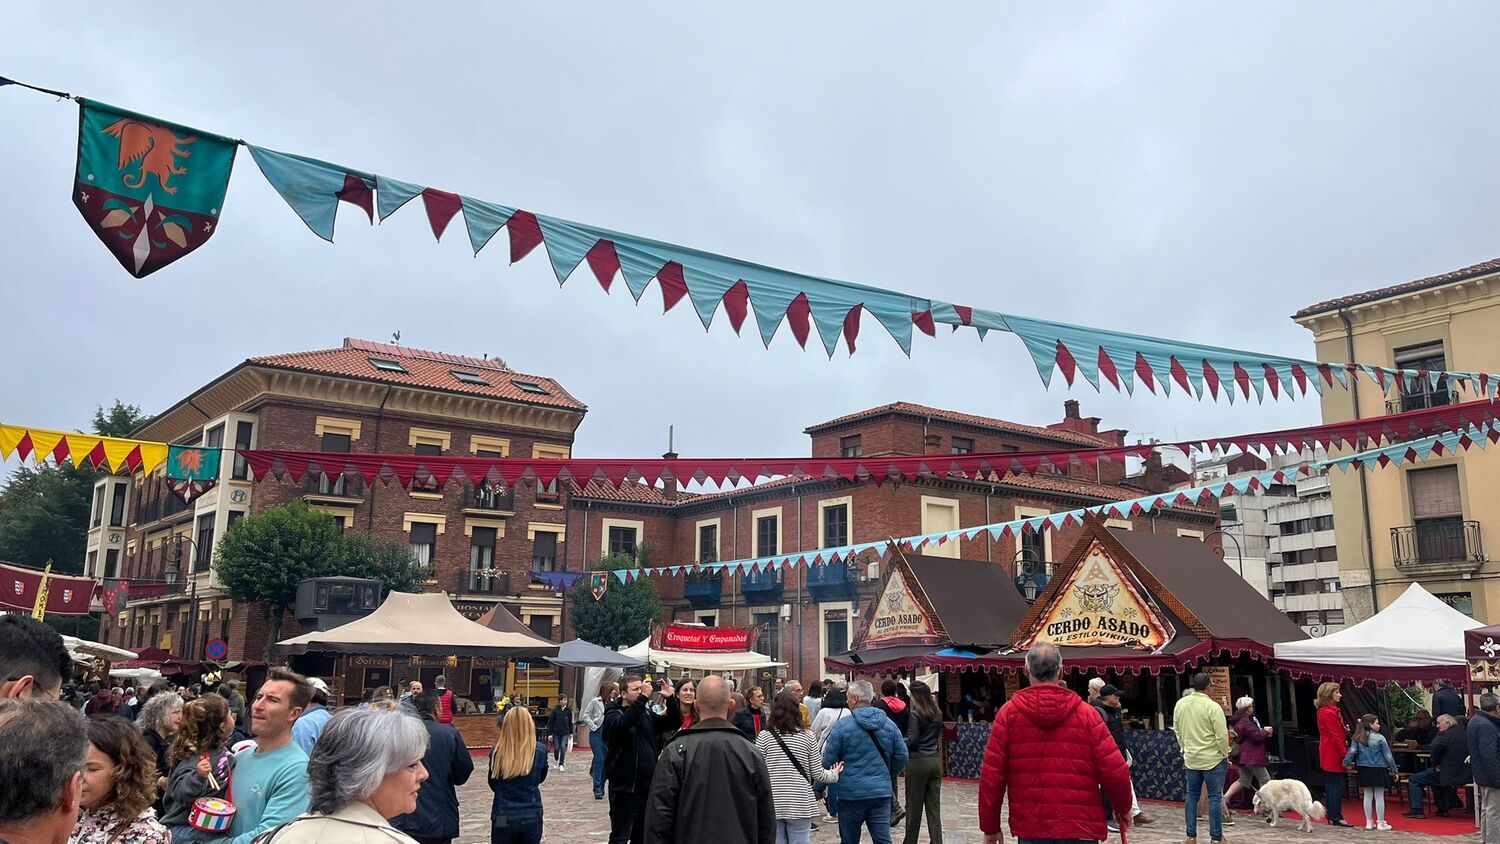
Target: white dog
x,y
1278,796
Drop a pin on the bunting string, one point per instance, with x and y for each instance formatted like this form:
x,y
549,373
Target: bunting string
x,y
1413,451
153,190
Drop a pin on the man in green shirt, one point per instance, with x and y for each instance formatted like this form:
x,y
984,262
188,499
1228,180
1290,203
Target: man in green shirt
x,y
1203,734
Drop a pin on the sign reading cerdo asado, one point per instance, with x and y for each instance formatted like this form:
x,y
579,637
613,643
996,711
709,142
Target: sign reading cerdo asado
x,y
690,637
898,618
1101,604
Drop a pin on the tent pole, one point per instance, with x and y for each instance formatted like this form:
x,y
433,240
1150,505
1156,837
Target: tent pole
x,y
1276,714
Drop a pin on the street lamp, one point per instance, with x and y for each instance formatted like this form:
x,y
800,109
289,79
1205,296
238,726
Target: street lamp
x,y
1031,573
1239,553
173,555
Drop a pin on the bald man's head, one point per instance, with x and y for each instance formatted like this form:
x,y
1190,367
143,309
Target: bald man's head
x,y
713,697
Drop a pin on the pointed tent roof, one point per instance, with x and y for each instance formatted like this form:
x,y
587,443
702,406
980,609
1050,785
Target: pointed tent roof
x,y
1389,639
958,602
1181,580
419,625
502,619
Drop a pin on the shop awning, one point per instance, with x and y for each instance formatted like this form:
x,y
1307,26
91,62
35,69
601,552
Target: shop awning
x,y
419,625
76,645
581,654
644,654
1417,637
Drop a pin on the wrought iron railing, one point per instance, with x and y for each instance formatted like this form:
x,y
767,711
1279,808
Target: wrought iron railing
x,y
1421,400
1437,541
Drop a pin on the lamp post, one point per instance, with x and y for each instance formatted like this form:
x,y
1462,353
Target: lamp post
x,y
1028,565
1239,552
174,557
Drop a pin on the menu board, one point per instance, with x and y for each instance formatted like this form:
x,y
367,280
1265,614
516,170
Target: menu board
x,y
1218,686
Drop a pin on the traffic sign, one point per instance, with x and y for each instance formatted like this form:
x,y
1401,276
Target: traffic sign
x,y
216,649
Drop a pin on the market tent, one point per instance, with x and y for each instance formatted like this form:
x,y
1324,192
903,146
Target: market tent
x,y
86,648
581,654
642,653
419,625
151,657
502,619
1417,637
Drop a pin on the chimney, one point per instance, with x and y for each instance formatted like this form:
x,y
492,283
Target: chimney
x,y
1076,422
1153,477
1070,409
668,482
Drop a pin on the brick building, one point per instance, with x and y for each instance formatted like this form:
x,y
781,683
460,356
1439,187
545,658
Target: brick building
x,y
360,397
806,614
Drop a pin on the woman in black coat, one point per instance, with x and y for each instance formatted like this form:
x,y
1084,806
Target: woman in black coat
x,y
752,718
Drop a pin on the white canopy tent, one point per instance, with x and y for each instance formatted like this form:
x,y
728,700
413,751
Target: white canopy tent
x,y
698,661
84,647
1416,633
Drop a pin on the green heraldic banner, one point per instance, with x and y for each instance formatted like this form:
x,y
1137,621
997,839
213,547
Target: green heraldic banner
x,y
152,191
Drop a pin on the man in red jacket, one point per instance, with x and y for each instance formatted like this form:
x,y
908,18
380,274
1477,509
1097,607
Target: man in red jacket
x,y
1052,752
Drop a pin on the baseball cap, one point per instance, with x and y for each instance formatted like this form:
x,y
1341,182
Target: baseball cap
x,y
317,683
1108,690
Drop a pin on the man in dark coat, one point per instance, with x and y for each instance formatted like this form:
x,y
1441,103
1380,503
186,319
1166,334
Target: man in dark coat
x,y
632,741
1484,753
1445,701
1108,705
560,728
448,765
1449,767
711,785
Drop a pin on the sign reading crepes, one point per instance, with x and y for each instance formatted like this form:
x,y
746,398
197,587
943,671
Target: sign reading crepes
x,y
688,637
1101,604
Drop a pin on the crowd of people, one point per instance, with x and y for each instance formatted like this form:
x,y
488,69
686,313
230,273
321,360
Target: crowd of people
x,y
703,762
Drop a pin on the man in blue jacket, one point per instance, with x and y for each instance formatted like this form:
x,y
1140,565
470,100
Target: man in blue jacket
x,y
1484,752
873,751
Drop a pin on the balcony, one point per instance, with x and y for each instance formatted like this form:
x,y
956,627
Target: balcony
x,y
471,583
1438,546
340,489
491,501
1421,400
171,505
831,582
762,587
704,590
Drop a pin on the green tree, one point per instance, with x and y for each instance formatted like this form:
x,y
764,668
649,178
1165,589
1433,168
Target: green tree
x,y
119,421
44,515
625,615
263,557
388,561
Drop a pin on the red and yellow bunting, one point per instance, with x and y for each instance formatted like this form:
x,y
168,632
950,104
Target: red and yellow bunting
x,y
115,454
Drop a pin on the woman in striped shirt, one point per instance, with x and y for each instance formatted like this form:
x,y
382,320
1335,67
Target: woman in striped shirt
x,y
794,761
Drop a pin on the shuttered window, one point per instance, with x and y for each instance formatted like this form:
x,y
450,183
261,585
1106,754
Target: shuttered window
x,y
1434,493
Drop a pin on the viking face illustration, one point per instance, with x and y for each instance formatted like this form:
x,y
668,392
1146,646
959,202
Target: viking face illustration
x,y
1096,597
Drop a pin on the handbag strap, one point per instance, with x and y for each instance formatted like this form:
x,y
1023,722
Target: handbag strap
x,y
878,749
788,751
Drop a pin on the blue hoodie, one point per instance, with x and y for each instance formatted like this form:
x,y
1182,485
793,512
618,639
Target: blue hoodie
x,y
867,771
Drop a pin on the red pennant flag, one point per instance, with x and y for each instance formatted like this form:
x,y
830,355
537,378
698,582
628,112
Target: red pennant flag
x,y
737,304
1272,380
965,314
923,321
1242,378
1066,363
797,315
441,206
1211,378
673,286
133,460
1107,368
61,450
525,234
25,447
851,326
603,261
1300,377
1179,375
1143,372
96,458
359,193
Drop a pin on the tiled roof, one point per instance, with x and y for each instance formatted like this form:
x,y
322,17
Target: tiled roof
x,y
962,418
1397,289
425,369
632,493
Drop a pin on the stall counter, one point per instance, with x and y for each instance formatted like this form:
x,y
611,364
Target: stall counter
x,y
1157,771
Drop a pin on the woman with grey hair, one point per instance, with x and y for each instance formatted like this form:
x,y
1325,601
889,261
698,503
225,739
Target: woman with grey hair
x,y
365,769
159,721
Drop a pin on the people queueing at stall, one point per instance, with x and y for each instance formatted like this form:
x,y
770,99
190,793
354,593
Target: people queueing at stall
x,y
159,764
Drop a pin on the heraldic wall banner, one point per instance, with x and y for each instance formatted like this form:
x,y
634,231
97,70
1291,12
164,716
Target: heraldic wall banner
x,y
151,191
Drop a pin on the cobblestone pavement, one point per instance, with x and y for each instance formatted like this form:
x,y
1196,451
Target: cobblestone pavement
x,y
571,814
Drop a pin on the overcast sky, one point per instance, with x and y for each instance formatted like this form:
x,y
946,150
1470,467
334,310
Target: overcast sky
x,y
1181,170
